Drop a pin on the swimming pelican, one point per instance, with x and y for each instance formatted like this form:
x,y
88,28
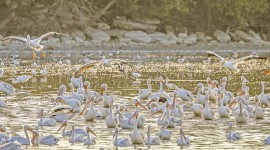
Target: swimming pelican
x,y
121,142
63,112
183,140
6,88
22,140
163,133
258,111
145,93
111,121
74,103
106,99
154,140
74,95
136,136
264,98
232,135
20,79
197,109
212,90
65,133
208,114
223,110
90,113
169,85
34,44
44,140
89,92
11,146
183,94
200,98
231,65
242,114
89,140
124,121
75,81
45,121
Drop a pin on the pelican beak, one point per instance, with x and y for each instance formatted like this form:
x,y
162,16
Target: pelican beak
x,y
84,86
240,92
212,84
64,124
147,104
232,103
91,131
133,116
140,104
82,111
102,91
159,111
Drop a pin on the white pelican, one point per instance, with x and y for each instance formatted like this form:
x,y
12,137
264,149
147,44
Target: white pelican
x,y
197,109
22,140
90,113
65,133
208,114
74,103
242,114
45,121
76,81
145,93
232,135
231,65
183,94
124,121
44,140
169,85
136,136
6,88
258,111
63,112
106,99
2,104
11,146
76,96
212,90
200,98
111,121
20,79
89,92
89,140
223,110
119,142
183,140
154,140
163,133
264,98
34,44
102,113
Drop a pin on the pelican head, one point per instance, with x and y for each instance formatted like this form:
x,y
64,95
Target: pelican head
x,y
103,87
62,90
88,129
86,84
65,123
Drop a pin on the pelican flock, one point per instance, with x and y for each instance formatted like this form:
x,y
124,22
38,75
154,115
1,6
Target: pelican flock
x,y
83,112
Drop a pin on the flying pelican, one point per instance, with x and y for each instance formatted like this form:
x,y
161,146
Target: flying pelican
x,y
154,140
119,142
163,133
34,44
45,121
232,135
89,140
6,88
208,114
183,140
136,136
231,65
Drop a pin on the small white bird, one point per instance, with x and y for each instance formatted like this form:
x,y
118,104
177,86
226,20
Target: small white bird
x,y
20,79
183,140
121,142
154,140
232,135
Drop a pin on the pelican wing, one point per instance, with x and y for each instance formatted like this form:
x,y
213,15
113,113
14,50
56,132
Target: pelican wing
x,y
49,34
210,53
15,38
240,60
86,67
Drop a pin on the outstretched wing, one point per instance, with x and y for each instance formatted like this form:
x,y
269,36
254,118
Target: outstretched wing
x,y
210,53
15,38
251,56
49,34
86,67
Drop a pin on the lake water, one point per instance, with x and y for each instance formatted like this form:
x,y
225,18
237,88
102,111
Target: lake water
x,y
40,92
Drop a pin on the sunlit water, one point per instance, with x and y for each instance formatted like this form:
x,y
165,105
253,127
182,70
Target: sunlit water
x,y
40,91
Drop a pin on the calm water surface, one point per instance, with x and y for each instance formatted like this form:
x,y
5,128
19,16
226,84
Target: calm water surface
x,y
40,92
